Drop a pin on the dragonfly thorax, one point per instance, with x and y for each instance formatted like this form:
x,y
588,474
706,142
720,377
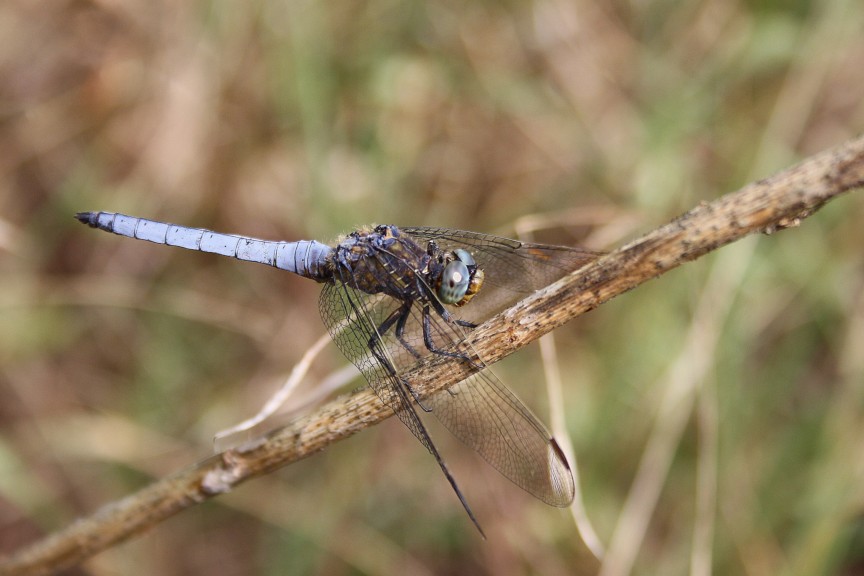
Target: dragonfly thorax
x,y
382,260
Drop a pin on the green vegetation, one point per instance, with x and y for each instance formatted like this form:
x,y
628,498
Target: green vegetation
x,y
582,122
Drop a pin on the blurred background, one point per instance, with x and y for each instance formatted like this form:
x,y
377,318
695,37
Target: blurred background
x,y
717,413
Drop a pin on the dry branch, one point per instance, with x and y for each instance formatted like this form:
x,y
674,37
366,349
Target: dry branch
x,y
778,202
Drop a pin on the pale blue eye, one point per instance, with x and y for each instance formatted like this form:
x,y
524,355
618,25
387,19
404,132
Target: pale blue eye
x,y
454,281
464,256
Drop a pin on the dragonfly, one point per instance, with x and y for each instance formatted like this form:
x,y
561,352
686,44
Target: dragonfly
x,y
395,296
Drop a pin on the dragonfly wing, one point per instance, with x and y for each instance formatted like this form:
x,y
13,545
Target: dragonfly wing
x,y
489,418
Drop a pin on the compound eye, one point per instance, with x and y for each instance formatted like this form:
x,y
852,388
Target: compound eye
x,y
454,281
464,256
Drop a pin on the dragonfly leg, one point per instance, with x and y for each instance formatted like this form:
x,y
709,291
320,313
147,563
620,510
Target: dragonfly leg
x,y
385,362
430,345
399,317
404,314
448,317
388,322
400,335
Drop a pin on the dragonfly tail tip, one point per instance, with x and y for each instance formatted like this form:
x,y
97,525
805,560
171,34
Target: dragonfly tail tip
x,y
86,218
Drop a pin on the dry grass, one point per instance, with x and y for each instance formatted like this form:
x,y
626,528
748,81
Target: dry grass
x,y
716,413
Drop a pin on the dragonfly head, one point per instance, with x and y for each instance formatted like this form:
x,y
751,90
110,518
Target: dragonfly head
x,y
460,280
